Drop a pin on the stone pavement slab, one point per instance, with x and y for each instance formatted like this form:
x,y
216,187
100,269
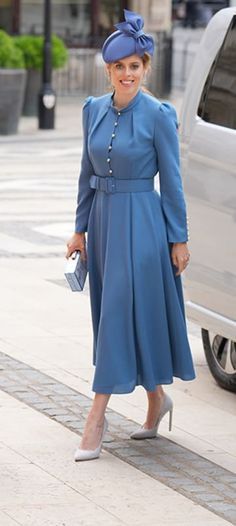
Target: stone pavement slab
x,y
5,520
200,480
43,486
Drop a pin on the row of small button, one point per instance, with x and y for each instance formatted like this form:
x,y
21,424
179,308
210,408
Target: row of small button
x,y
188,229
110,145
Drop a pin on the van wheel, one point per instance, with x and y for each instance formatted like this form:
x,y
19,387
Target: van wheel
x,y
221,358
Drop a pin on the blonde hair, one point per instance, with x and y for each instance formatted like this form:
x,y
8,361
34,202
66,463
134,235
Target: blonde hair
x,y
147,61
146,58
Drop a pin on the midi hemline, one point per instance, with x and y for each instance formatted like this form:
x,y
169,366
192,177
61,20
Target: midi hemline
x,y
126,389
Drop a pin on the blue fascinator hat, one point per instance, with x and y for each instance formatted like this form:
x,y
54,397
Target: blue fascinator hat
x,y
130,39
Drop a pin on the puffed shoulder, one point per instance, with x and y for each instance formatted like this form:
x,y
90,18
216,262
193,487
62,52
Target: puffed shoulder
x,y
167,114
87,102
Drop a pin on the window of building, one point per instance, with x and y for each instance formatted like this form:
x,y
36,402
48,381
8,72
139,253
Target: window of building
x,y
218,100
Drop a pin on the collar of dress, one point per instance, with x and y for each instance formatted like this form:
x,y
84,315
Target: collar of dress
x,y
101,110
129,106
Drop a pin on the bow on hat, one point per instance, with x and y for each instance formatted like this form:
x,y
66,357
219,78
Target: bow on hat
x,y
129,39
133,27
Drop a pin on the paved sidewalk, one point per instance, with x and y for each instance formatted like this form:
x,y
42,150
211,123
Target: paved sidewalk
x,y
199,479
45,374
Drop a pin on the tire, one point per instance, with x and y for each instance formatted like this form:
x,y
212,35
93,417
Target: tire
x,y
220,354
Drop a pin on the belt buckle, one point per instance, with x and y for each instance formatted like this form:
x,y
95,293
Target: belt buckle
x,y
110,184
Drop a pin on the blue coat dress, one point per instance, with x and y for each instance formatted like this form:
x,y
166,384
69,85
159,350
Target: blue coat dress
x,y
137,305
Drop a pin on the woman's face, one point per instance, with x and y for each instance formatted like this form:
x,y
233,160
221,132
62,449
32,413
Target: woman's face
x,y
126,74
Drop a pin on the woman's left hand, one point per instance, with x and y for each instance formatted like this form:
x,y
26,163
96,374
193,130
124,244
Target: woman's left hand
x,y
180,256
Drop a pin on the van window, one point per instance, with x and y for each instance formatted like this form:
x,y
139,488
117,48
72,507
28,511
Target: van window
x,y
218,100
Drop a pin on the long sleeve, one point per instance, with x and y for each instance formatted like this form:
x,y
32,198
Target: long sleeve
x,y
171,189
85,193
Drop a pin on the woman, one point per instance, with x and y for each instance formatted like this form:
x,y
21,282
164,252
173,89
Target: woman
x,y
137,239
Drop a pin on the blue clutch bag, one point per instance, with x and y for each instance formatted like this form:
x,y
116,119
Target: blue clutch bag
x,y
76,271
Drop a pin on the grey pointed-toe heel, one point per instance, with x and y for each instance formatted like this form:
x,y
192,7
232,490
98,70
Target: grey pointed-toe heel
x,y
166,407
90,454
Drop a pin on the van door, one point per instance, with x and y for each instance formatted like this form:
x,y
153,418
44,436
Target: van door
x,y
210,187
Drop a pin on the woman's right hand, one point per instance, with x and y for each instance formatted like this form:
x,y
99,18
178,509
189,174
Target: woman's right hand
x,y
76,242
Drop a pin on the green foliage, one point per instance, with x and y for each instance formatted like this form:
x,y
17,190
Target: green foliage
x,y
59,52
11,56
32,48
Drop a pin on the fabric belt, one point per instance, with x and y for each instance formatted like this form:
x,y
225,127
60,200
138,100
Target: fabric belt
x,y
111,184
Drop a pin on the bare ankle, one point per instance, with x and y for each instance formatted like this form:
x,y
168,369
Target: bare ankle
x,y
97,417
160,391
155,396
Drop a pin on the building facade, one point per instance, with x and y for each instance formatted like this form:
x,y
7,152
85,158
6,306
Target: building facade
x,y
81,23
86,23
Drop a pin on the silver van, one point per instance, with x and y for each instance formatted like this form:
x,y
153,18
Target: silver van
x,y
208,157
